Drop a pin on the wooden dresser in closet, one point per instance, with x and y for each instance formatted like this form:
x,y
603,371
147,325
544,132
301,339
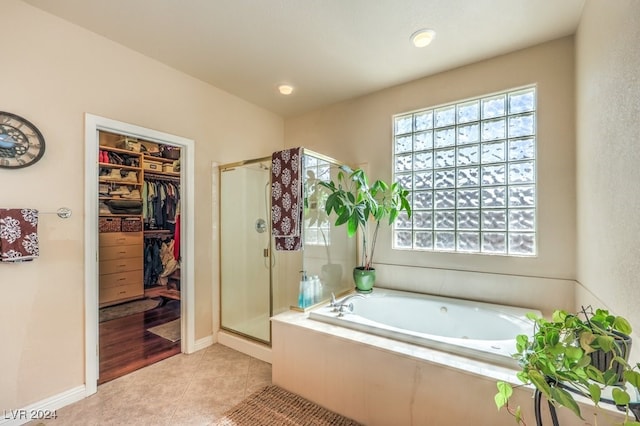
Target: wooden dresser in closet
x,y
121,267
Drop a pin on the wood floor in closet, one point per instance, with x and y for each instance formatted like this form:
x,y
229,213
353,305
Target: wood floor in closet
x,y
126,345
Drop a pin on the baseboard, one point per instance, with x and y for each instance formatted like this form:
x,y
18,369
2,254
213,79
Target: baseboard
x,y
256,350
42,410
205,342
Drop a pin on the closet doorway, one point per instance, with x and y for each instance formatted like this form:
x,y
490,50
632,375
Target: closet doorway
x,y
139,243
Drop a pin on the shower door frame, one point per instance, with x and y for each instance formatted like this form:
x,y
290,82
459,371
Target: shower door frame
x,y
221,169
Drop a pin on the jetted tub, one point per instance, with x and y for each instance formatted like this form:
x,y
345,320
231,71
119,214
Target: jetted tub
x,y
478,330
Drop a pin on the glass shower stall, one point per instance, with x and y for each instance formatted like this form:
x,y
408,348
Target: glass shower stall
x,y
256,281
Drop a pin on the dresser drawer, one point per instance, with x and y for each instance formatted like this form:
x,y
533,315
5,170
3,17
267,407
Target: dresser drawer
x,y
121,265
119,238
120,252
121,278
113,294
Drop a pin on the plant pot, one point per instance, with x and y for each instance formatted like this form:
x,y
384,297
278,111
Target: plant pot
x,y
601,359
364,279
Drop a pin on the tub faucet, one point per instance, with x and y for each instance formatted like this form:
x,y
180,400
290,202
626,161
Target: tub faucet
x,y
334,303
343,305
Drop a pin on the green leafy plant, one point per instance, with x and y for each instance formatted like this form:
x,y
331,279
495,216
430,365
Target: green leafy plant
x,y
560,355
357,204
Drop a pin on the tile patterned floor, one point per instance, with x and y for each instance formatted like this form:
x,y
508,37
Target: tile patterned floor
x,y
182,390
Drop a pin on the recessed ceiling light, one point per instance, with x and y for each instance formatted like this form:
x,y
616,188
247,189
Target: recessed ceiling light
x,y
422,38
285,89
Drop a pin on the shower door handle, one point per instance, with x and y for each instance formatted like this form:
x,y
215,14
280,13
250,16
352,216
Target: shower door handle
x,y
260,226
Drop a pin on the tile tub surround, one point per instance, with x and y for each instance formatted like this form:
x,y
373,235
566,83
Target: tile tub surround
x,y
544,294
379,381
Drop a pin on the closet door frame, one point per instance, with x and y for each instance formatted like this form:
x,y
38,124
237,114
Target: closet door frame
x,y
93,124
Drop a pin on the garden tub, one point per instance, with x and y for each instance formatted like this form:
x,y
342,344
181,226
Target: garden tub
x,y
479,330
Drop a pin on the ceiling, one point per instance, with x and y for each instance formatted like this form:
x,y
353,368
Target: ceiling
x,y
329,50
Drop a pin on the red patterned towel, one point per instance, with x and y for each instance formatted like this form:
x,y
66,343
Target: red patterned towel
x,y
18,235
286,199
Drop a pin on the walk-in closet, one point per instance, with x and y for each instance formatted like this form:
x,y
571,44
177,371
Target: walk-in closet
x,y
139,253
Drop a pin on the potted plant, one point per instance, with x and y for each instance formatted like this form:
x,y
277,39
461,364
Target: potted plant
x,y
359,205
572,354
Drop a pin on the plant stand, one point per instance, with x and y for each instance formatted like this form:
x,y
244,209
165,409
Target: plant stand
x,y
537,402
634,406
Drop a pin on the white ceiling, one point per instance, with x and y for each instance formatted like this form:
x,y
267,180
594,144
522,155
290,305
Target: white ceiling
x,y
329,50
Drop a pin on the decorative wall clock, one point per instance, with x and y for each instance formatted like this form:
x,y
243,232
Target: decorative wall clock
x,y
21,143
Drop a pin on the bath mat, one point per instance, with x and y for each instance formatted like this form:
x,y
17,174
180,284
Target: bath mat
x,y
129,308
274,406
169,330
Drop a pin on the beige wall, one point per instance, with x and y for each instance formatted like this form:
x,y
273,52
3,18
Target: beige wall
x,y
52,73
359,131
608,155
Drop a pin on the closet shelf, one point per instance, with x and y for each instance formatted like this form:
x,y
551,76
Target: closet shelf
x,y
159,159
161,175
120,150
121,182
152,233
107,197
119,166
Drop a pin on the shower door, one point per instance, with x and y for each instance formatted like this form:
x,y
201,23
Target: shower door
x,y
245,249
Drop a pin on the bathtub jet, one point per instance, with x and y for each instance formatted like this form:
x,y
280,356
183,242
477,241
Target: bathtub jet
x,y
477,330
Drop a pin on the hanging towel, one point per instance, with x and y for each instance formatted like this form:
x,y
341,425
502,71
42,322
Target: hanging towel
x,y
18,235
286,199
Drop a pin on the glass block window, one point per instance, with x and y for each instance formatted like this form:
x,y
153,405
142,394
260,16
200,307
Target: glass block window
x,y
471,170
316,221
